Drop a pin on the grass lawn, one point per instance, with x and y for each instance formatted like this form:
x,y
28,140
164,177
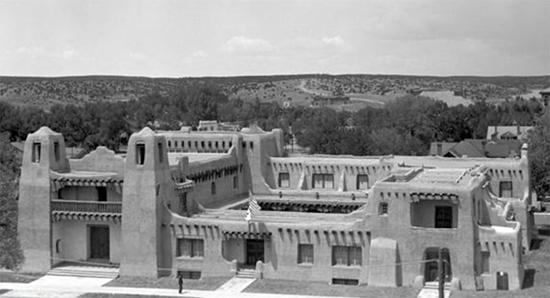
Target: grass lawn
x,y
205,283
106,295
323,289
15,277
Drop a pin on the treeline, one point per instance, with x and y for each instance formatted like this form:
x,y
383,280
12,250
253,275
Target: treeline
x,y
405,126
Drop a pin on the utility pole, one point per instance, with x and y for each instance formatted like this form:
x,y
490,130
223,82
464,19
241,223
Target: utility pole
x,y
441,274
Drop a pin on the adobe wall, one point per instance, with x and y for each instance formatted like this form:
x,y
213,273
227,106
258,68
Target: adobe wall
x,y
74,240
99,160
412,242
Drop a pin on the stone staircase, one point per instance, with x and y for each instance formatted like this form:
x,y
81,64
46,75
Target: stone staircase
x,y
435,285
85,271
246,273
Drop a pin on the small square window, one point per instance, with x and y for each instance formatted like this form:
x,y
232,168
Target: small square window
x,y
506,189
362,182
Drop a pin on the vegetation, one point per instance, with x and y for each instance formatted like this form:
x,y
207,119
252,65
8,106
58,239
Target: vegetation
x,y
539,155
205,283
10,253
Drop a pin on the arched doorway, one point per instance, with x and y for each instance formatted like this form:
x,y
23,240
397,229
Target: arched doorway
x,y
431,257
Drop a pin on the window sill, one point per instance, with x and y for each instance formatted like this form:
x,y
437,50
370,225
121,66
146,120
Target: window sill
x,y
190,258
305,265
347,267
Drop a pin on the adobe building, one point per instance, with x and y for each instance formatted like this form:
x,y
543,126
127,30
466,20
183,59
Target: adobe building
x,y
177,201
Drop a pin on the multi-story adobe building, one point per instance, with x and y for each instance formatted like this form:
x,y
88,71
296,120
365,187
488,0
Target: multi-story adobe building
x,y
176,203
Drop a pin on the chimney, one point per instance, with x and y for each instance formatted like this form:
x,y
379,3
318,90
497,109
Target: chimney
x,y
439,149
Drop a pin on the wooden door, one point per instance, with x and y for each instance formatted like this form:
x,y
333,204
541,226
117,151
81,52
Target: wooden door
x,y
99,243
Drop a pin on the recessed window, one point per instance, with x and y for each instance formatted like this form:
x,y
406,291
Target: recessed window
x,y
305,253
443,217
102,194
56,151
183,203
383,208
505,189
161,153
169,143
362,182
140,153
485,255
213,188
191,248
284,180
347,255
323,181
36,151
235,182
345,281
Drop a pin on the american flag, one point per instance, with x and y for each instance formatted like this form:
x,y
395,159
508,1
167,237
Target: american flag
x,y
253,208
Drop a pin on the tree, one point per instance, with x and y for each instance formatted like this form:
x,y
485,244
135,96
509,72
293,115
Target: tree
x,y
539,157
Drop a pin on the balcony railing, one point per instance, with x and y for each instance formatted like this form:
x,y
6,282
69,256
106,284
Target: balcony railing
x,y
87,206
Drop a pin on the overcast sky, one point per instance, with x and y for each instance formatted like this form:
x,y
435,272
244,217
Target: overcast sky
x,y
226,38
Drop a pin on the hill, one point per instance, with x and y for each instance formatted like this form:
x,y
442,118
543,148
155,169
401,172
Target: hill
x,y
286,90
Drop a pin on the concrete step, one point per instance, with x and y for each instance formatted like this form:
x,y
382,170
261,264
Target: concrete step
x,y
246,273
98,272
435,285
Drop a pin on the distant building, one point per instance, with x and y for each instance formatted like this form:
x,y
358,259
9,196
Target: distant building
x,y
514,132
477,148
545,96
176,203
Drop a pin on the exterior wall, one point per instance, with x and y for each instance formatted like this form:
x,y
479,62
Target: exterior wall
x,y
147,182
74,240
34,225
412,242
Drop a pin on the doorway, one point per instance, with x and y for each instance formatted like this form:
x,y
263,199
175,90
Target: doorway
x,y
99,242
431,256
502,281
254,251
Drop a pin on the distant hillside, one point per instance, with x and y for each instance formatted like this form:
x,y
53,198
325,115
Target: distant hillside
x,y
283,89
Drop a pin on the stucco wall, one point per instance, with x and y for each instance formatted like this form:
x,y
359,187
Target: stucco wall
x,y
74,239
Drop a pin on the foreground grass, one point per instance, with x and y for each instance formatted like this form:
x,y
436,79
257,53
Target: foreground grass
x,y
205,283
15,277
323,289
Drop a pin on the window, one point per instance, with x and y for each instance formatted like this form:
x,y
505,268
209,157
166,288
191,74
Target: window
x,y
362,181
284,180
485,261
56,150
347,256
213,188
183,203
161,154
235,182
305,253
345,281
169,143
323,181
383,208
191,248
190,274
505,189
140,153
102,194
443,217
36,148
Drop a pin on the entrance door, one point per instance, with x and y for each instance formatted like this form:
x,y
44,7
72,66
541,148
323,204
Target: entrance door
x,y
502,281
431,268
99,242
254,251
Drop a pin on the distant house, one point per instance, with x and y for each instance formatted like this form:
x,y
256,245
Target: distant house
x,y
545,96
477,148
514,132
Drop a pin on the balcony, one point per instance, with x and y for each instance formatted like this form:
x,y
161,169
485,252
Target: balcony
x,y
86,210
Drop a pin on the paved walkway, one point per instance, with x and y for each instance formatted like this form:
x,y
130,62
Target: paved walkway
x,y
432,293
236,285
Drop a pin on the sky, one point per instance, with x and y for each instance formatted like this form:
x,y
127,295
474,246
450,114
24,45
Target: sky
x,y
267,37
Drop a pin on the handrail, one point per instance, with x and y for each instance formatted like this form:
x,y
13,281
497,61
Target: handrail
x,y
86,206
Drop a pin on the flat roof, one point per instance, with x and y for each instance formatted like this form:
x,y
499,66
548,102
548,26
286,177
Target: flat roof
x,y
174,157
